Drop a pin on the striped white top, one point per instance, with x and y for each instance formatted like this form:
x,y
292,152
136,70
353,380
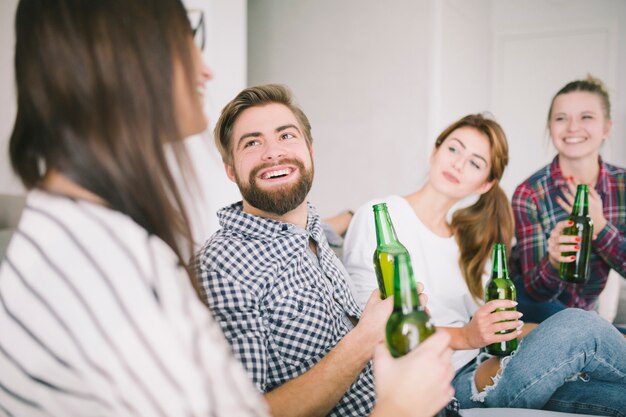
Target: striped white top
x,y
98,318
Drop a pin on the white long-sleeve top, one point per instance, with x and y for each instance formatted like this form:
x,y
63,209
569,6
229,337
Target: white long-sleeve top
x,y
435,261
97,317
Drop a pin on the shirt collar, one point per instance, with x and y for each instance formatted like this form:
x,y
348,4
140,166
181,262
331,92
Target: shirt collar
x,y
604,178
556,175
233,218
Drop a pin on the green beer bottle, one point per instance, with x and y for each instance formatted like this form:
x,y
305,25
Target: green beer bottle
x,y
500,287
578,270
409,324
387,246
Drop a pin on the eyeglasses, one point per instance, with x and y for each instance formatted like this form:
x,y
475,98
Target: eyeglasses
x,y
196,19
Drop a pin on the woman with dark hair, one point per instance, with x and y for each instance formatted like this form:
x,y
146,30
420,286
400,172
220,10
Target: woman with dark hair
x,y
98,314
450,258
579,122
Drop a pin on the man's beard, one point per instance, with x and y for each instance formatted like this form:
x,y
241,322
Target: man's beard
x,y
280,200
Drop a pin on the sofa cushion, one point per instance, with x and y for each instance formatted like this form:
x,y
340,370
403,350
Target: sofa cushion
x,y
512,412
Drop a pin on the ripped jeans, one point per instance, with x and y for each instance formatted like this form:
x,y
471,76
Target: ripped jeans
x,y
573,362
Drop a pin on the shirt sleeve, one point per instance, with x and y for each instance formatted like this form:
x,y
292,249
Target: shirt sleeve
x,y
236,309
610,245
539,277
358,251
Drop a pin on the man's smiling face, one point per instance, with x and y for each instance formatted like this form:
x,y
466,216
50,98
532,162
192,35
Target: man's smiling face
x,y
272,161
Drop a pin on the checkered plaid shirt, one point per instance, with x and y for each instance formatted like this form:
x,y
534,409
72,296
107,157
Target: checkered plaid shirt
x,y
281,310
537,212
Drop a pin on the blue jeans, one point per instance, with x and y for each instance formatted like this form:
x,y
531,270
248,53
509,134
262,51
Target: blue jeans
x,y
573,362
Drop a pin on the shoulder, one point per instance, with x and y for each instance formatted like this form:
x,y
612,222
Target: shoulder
x,y
394,203
535,188
227,247
59,226
79,254
617,173
242,264
363,218
536,180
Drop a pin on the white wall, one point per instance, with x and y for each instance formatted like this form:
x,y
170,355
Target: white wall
x,y
539,46
359,70
379,80
8,182
460,80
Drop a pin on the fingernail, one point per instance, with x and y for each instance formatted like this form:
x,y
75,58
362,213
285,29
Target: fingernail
x,y
572,258
578,239
520,314
570,222
576,247
514,303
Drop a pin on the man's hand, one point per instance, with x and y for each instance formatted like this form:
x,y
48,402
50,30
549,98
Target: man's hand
x,y
371,326
417,384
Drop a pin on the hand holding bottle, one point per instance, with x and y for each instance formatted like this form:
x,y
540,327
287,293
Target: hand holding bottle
x,y
371,325
558,243
596,211
417,384
487,322
576,270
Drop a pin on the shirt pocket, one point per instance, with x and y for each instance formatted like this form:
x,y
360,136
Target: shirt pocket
x,y
303,327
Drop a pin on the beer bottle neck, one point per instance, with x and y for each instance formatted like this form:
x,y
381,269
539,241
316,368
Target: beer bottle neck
x,y
499,268
581,202
385,233
405,296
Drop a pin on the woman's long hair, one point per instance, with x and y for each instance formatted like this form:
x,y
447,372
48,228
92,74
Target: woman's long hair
x,y
95,103
490,220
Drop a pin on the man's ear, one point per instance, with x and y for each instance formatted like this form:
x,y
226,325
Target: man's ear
x,y
230,172
485,187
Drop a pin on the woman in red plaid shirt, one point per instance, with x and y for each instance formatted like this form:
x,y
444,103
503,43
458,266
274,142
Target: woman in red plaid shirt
x,y
579,122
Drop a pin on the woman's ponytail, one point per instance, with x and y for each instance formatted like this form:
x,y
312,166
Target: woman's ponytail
x,y
476,229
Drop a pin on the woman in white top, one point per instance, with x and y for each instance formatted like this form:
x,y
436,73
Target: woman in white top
x,y
450,259
98,315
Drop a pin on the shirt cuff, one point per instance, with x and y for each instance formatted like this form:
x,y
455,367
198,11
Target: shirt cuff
x,y
606,237
548,271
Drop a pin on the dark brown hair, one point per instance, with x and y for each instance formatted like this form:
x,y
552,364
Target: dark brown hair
x,y
490,220
591,85
252,97
95,103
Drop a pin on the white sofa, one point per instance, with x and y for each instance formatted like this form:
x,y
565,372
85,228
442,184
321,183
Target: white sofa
x,y
512,412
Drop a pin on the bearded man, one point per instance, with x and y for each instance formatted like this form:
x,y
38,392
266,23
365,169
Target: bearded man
x,y
269,276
